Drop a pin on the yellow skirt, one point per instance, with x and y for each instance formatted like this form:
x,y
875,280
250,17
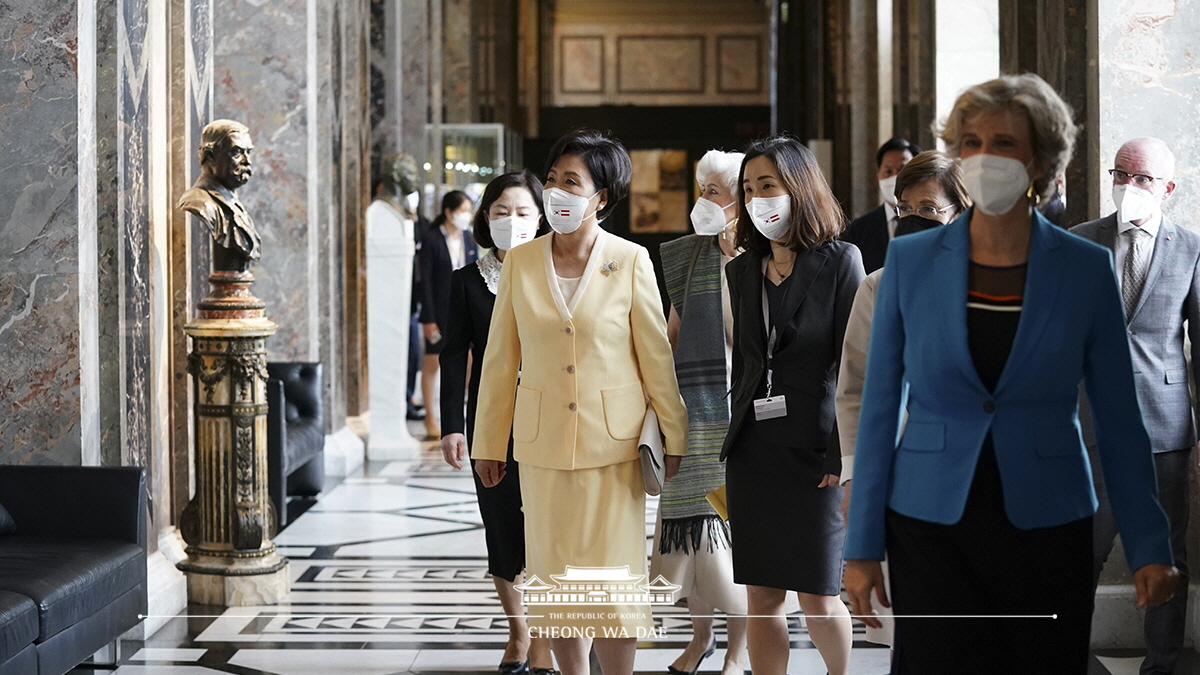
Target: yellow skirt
x,y
585,552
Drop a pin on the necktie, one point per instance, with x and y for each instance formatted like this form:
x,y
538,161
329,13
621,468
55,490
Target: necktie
x,y
1133,277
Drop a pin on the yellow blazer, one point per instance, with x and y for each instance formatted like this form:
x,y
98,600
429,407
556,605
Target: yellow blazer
x,y
586,367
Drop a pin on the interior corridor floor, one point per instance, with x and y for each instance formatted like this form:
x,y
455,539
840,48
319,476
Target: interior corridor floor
x,y
389,577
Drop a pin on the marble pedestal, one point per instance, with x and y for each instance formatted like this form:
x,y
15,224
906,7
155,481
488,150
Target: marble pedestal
x,y
390,252
228,524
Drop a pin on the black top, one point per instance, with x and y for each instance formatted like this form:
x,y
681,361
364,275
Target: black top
x,y
994,301
470,311
812,316
869,232
436,266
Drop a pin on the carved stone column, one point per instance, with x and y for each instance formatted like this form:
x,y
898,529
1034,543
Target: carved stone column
x,y
229,523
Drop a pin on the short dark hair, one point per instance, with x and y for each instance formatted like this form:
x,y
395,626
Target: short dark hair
x,y
453,200
524,179
896,145
816,215
606,159
935,165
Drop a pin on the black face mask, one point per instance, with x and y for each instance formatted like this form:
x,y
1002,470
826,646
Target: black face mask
x,y
915,223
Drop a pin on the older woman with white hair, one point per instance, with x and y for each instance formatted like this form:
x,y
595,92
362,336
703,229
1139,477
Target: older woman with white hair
x,y
693,546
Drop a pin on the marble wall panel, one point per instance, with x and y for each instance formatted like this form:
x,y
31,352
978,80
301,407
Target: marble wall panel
x,y
1149,85
39,387
261,76
656,65
133,165
39,292
458,59
739,64
582,62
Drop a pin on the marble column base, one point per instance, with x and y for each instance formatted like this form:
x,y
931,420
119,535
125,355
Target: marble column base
x,y
344,452
241,590
166,586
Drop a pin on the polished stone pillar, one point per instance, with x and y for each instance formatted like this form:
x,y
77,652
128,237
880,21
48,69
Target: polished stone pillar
x,y
390,251
229,523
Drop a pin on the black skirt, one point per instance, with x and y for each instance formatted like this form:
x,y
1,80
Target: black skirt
x,y
503,521
787,533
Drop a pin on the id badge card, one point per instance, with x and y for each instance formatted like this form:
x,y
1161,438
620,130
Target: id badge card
x,y
770,408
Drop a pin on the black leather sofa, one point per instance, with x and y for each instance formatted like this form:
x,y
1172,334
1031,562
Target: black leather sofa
x,y
295,434
73,574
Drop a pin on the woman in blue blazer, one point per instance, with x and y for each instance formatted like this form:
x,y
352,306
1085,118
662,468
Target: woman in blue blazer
x,y
983,330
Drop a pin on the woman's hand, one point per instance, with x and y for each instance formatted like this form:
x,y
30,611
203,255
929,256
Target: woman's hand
x,y
432,333
1155,583
490,471
454,449
860,578
671,466
830,480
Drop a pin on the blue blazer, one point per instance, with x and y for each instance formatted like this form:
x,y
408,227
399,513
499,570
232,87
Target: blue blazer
x,y
1072,328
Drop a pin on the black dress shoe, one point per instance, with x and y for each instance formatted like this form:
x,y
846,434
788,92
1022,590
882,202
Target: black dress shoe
x,y
712,647
414,413
513,668
543,671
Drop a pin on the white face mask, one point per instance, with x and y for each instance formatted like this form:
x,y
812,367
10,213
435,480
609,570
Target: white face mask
x,y
708,217
564,211
511,231
1134,203
994,183
887,189
461,220
771,215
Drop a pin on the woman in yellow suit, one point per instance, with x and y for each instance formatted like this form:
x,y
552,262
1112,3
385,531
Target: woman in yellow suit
x,y
578,313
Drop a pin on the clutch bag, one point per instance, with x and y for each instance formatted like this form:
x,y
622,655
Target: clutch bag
x,y
650,449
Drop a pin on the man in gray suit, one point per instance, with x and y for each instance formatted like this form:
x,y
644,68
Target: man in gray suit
x,y
1158,270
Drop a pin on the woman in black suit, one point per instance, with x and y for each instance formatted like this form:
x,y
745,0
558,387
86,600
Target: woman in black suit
x,y
791,293
510,213
446,246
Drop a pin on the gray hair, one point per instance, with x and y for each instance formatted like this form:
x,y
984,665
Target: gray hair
x,y
727,166
1052,130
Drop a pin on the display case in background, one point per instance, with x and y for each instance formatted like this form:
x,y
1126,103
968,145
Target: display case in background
x,y
471,155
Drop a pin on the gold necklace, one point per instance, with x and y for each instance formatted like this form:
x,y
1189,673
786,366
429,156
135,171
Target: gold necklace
x,y
782,276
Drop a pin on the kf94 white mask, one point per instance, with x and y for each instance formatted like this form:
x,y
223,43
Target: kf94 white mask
x,y
994,183
1133,203
461,220
771,215
887,190
708,217
564,211
511,231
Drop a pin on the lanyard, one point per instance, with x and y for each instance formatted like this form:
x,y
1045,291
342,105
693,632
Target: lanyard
x,y
773,336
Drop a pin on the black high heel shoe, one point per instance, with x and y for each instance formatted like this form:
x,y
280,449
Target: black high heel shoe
x,y
712,647
513,668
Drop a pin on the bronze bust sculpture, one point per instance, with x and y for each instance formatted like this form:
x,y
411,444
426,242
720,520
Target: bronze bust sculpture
x,y
225,159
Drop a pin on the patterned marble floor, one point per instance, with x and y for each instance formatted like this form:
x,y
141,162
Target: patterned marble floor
x,y
389,577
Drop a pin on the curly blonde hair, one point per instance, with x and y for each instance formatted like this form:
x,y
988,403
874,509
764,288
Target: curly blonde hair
x,y
1052,128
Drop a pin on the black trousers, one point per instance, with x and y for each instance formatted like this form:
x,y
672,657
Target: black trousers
x,y
984,566
1164,627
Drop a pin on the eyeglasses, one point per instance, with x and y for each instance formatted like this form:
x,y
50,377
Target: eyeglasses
x,y
929,212
1140,178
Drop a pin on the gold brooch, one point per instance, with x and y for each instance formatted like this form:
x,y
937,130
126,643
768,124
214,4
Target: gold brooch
x,y
609,267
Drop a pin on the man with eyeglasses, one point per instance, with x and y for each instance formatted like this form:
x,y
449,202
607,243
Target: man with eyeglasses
x,y
1158,271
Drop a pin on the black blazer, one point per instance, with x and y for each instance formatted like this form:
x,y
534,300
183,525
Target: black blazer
x,y
809,352
869,232
434,260
470,310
